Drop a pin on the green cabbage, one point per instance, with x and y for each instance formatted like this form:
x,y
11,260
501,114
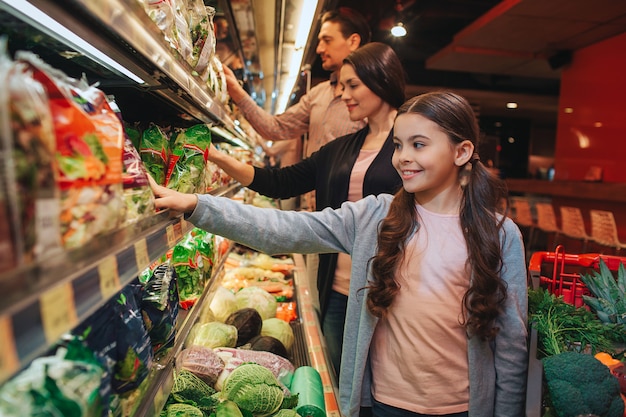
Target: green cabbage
x,y
280,330
212,335
253,388
258,298
183,410
223,304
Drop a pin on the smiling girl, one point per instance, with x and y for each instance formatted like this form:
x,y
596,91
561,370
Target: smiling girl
x,y
437,307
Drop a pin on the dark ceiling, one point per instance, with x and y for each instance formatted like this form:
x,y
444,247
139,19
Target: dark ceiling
x,y
489,50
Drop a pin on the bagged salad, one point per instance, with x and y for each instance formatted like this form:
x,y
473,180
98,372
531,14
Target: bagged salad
x,y
188,159
28,144
89,145
159,305
154,151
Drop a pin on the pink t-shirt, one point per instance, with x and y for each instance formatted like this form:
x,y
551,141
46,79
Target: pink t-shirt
x,y
341,284
419,351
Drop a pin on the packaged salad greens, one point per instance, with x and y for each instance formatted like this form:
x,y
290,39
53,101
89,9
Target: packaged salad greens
x,y
138,195
118,336
159,305
188,159
28,143
154,151
89,144
66,384
187,260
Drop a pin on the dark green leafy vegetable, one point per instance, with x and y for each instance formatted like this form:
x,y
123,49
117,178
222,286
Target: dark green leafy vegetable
x,y
578,384
188,387
562,327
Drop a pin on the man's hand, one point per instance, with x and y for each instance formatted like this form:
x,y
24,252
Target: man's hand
x,y
172,199
235,90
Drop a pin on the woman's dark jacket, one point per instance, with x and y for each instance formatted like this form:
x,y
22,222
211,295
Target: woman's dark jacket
x,y
328,171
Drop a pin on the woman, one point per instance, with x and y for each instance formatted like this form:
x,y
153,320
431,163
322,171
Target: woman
x,y
438,296
346,169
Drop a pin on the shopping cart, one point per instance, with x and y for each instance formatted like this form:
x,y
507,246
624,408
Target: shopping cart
x,y
559,272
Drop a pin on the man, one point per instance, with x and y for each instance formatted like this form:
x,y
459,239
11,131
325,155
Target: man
x,y
320,112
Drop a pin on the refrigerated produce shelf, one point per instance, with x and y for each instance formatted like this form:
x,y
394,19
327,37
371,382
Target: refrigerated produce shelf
x,y
58,294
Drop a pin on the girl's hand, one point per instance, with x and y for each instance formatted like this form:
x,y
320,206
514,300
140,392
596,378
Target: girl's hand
x,y
172,199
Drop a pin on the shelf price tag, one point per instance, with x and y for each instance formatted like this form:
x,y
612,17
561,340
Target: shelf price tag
x,y
141,255
109,276
171,237
8,356
58,313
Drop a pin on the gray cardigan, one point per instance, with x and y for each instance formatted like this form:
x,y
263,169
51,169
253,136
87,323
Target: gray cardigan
x,y
497,373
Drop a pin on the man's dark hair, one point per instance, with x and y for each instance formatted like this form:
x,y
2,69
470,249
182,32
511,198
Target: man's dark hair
x,y
350,22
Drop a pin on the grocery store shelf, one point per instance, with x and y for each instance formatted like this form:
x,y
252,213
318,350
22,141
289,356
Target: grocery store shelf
x,y
161,379
46,300
122,31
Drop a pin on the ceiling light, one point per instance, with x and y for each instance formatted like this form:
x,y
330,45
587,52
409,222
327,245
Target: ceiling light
x,y
398,30
511,105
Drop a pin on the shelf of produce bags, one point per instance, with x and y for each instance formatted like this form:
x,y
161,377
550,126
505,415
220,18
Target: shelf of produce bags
x,y
161,379
46,300
314,340
123,32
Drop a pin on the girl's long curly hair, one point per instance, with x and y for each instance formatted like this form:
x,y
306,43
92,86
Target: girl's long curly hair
x,y
483,197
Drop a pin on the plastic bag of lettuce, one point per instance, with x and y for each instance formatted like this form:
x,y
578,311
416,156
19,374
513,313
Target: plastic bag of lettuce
x,y
68,384
188,159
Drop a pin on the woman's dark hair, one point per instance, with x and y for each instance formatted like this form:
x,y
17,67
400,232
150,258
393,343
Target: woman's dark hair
x,y
350,22
380,69
483,196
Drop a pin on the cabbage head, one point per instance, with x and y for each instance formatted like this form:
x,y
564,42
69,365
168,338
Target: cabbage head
x,y
212,335
253,388
223,304
255,297
280,330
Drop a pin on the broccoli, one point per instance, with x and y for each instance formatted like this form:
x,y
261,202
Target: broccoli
x,y
579,384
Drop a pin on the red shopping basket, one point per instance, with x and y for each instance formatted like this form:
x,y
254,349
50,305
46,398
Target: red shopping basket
x,y
559,272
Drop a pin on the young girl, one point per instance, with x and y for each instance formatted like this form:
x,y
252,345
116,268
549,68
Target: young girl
x,y
438,302
346,169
